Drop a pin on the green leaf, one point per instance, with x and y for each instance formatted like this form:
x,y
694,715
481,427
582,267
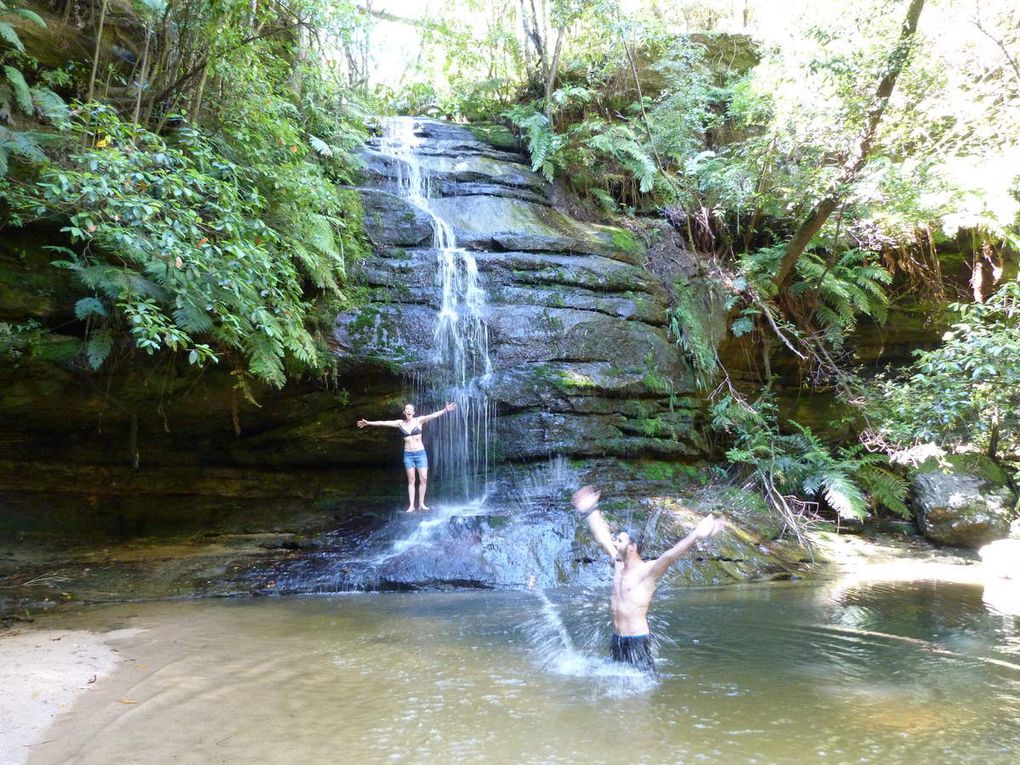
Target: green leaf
x,y
98,347
843,495
22,94
8,34
320,147
49,105
25,13
89,306
742,326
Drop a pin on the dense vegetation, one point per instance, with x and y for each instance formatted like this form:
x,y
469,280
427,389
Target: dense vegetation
x,y
198,179
815,160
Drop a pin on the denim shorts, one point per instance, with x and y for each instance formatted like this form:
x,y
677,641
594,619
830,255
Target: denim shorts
x,y
416,460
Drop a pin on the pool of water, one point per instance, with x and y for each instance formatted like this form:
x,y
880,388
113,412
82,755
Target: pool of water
x,y
778,673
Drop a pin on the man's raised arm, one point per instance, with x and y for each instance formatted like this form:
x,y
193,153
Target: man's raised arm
x,y
586,502
709,525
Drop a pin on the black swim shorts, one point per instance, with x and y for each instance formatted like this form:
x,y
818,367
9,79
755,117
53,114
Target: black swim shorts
x,y
635,650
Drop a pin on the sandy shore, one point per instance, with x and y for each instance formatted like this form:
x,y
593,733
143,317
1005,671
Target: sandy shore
x,y
42,672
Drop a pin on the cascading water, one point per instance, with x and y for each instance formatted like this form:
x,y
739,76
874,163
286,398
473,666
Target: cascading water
x,y
459,443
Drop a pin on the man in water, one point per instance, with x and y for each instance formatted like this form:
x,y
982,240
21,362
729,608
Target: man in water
x,y
634,579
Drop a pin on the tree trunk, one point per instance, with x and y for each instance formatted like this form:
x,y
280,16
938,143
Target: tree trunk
x,y
993,436
859,157
196,101
141,78
550,77
533,35
95,54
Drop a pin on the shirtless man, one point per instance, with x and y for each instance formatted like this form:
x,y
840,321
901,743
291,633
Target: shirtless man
x,y
634,579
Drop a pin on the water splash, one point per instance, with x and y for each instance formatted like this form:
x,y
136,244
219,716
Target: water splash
x,y
556,652
428,531
461,366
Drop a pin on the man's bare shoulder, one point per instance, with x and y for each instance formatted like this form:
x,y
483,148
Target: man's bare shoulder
x,y
648,569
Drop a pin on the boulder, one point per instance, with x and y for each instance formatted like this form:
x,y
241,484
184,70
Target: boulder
x,y
963,500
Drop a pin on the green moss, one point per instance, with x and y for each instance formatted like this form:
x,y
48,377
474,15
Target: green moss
x,y
569,381
357,245
660,470
656,383
972,464
625,241
497,136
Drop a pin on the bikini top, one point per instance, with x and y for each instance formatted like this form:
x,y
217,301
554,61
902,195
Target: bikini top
x,y
415,431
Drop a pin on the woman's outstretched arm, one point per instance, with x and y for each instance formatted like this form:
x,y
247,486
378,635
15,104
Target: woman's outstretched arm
x,y
378,423
448,408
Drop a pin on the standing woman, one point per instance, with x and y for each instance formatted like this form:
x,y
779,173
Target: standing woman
x,y
415,458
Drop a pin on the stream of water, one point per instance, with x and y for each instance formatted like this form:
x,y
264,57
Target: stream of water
x,y
779,673
459,444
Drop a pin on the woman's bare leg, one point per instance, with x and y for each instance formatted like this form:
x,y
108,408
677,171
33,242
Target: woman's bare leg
x,y
410,490
423,482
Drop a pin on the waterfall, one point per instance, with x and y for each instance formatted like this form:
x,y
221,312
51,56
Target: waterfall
x,y
460,364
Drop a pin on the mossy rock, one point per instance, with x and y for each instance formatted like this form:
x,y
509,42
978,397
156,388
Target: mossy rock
x,y
962,500
498,136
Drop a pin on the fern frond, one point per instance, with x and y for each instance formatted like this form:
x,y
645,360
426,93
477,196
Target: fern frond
x,y
22,93
192,318
886,488
843,495
10,36
49,105
320,147
25,13
89,306
98,347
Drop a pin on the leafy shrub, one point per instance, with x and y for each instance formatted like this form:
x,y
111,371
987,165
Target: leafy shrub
x,y
179,245
848,479
966,391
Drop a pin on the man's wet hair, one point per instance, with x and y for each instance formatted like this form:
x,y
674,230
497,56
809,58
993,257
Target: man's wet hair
x,y
638,538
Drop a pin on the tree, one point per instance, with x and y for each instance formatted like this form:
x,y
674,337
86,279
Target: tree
x,y
858,157
966,391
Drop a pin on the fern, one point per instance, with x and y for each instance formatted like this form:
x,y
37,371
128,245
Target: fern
x,y
22,93
605,199
49,105
192,318
849,480
24,13
98,347
885,488
87,307
542,143
619,144
842,494
8,35
320,147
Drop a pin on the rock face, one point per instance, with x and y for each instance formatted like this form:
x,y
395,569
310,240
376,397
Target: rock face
x,y
531,535
962,500
581,360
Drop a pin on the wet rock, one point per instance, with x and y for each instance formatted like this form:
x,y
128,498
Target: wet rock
x,y
484,223
391,221
555,547
963,500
